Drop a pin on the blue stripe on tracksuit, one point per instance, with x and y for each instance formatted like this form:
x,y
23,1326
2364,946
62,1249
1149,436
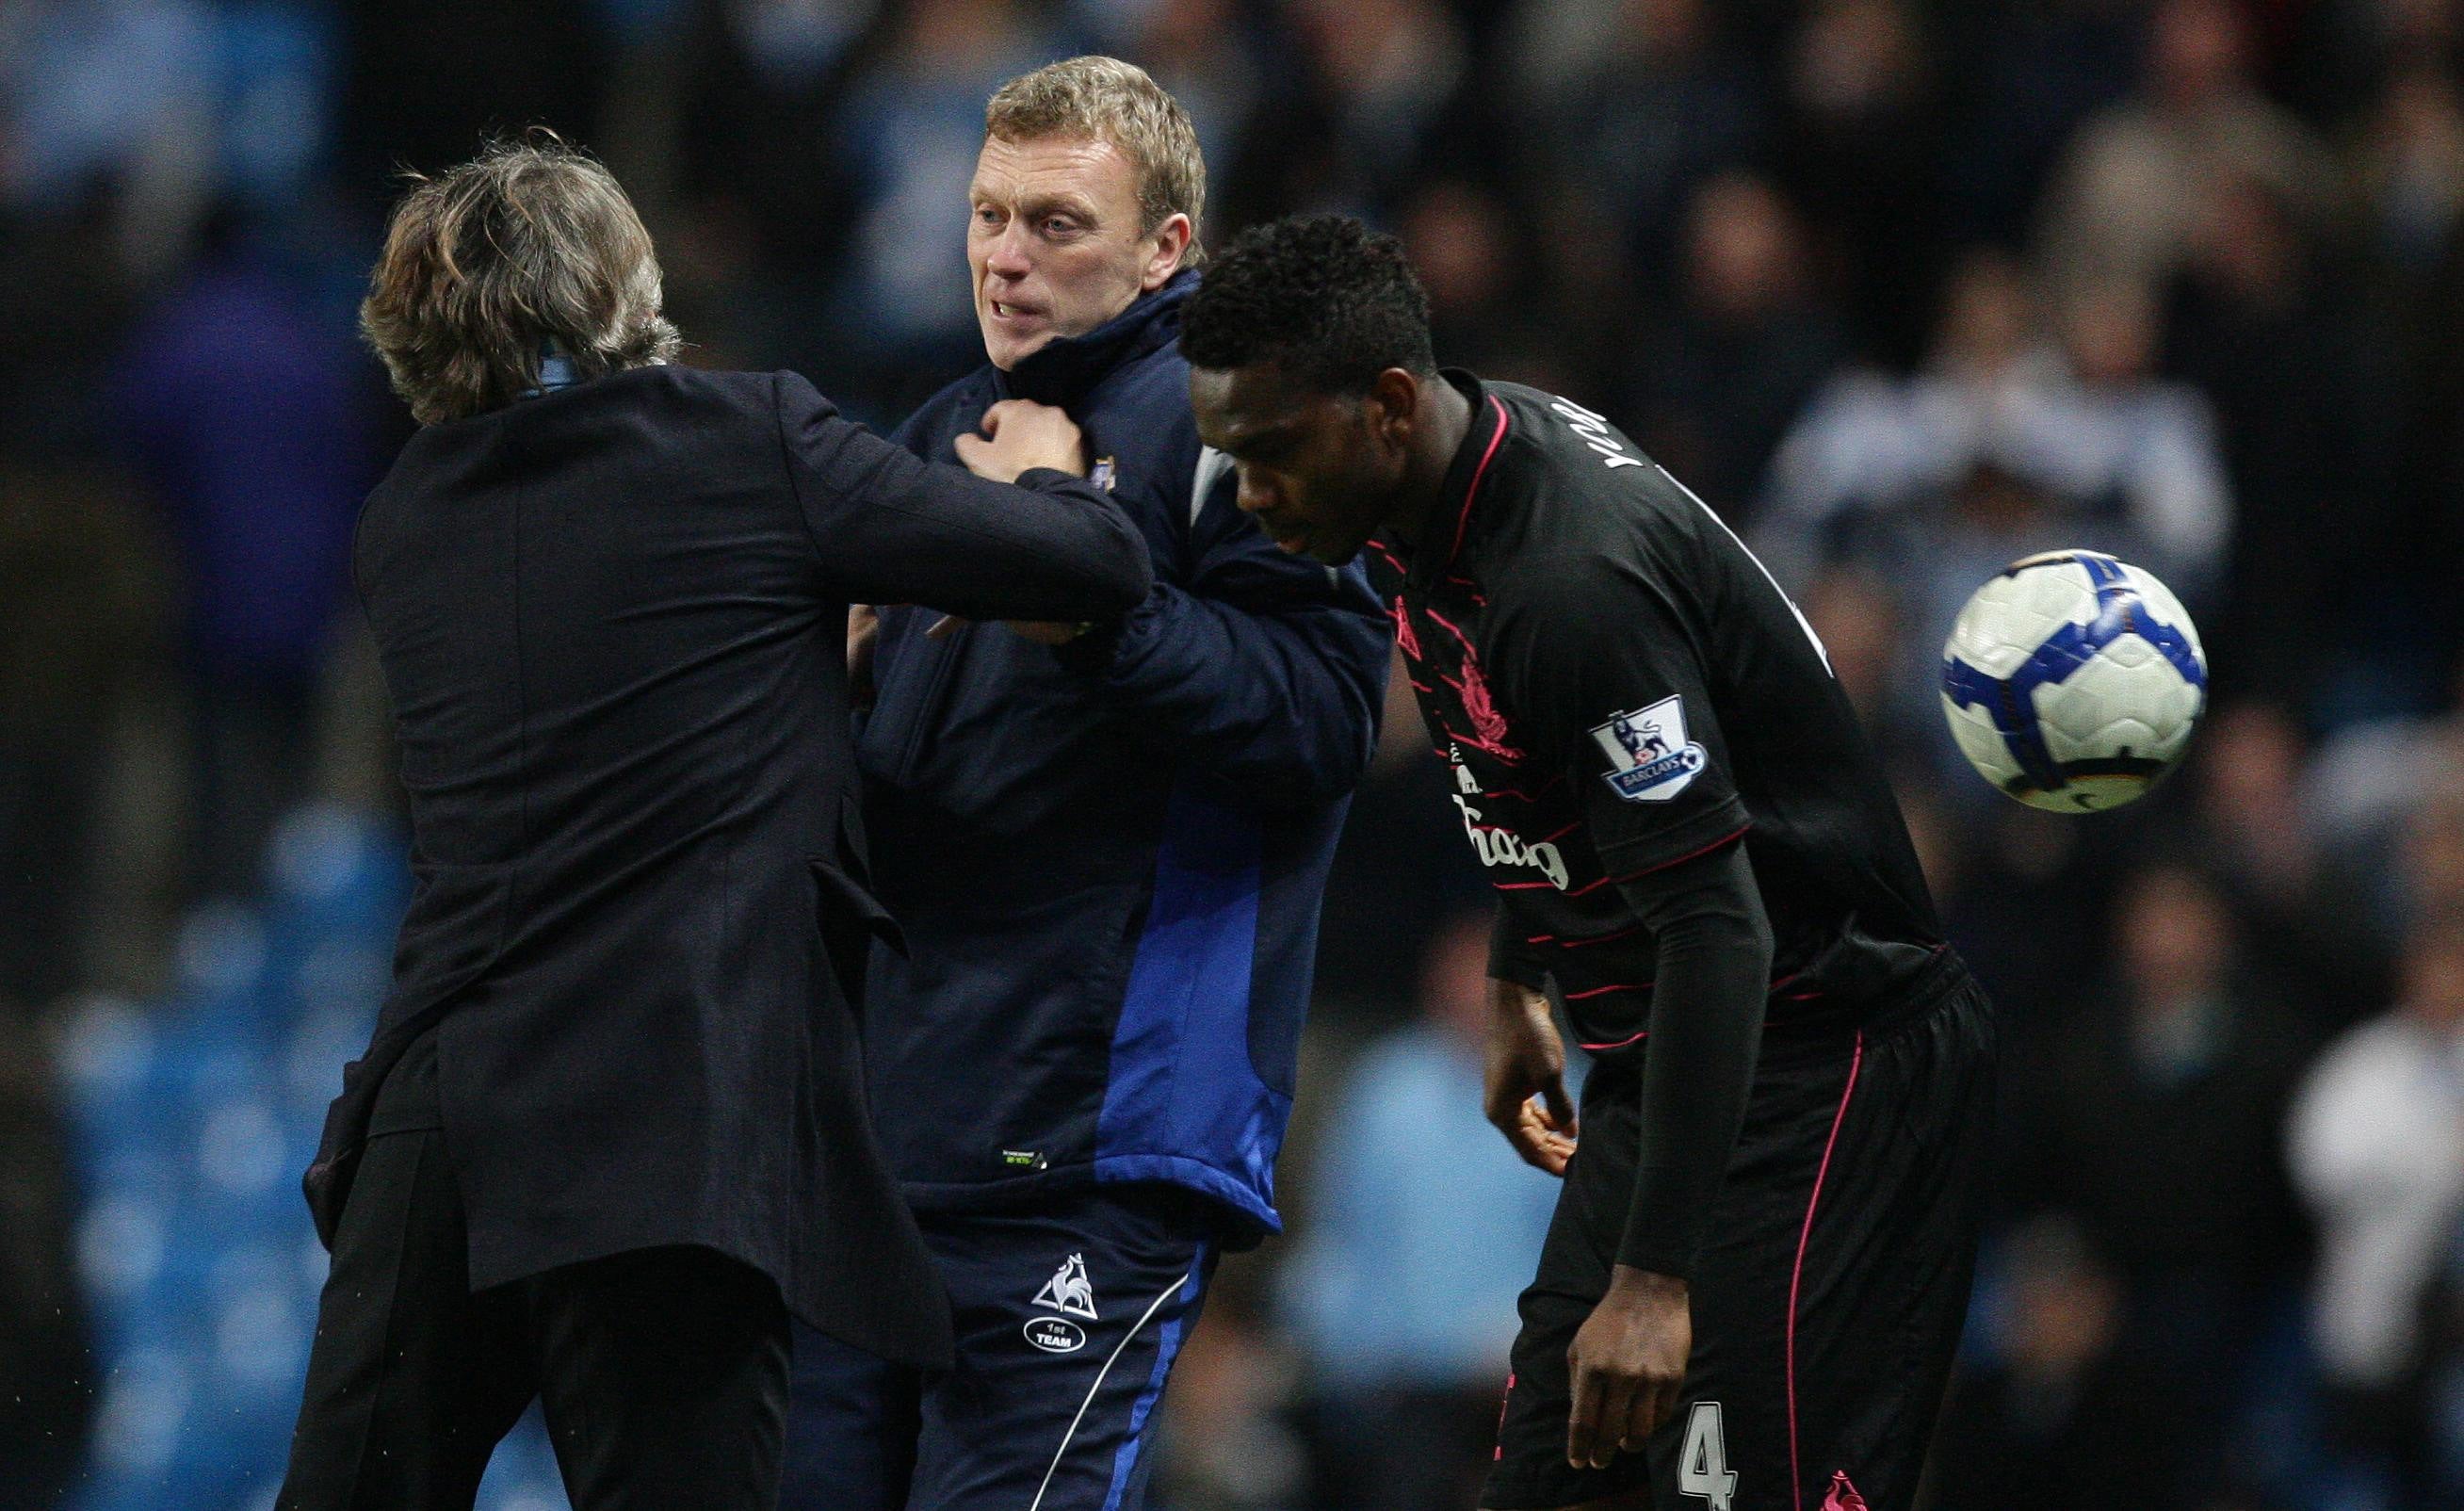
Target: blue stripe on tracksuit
x,y
1181,1077
1129,1459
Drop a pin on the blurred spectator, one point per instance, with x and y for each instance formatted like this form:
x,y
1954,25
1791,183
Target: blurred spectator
x,y
2306,916
1869,445
1633,103
2298,407
1204,54
46,1361
2409,170
2133,187
2377,1144
2025,74
2037,1423
1424,1227
1224,1444
2002,447
2031,887
116,91
2421,626
81,610
2139,451
1372,85
1862,154
242,408
1748,345
773,220
1857,618
2432,854
424,81
910,121
1466,243
2151,1113
2368,781
65,302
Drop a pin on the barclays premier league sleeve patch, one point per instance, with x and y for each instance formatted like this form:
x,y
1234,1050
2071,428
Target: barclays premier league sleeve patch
x,y
1649,758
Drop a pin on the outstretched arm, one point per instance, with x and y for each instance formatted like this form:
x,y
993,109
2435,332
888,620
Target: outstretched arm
x,y
891,528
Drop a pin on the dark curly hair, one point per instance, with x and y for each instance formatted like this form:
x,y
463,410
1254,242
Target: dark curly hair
x,y
1331,300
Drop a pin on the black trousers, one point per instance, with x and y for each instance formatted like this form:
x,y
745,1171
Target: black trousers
x,y
662,1372
1831,1288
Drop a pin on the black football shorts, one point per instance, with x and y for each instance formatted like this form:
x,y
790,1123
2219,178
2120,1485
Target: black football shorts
x,y
1833,1283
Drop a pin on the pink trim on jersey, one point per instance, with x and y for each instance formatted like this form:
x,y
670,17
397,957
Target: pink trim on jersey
x,y
1586,944
1462,522
1517,793
1453,627
1631,1038
1720,843
1603,991
1595,886
1406,640
1534,886
1637,1039
1796,1473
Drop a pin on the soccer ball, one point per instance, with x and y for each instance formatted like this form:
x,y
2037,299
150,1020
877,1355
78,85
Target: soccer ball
x,y
2072,681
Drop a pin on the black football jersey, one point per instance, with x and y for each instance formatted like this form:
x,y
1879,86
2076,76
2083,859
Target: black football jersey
x,y
1618,686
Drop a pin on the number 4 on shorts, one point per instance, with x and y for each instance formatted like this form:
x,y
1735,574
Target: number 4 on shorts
x,y
1703,1465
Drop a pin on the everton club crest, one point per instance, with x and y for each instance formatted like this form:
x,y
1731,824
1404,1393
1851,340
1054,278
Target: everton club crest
x,y
1650,760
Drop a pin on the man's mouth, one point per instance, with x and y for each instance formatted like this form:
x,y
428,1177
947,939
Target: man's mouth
x,y
1011,310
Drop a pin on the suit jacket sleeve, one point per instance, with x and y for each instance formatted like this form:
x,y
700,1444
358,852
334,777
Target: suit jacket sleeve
x,y
892,528
1265,669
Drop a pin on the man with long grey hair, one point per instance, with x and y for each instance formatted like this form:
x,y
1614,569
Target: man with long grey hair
x,y
610,1132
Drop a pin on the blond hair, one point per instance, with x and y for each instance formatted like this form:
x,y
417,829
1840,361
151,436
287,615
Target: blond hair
x,y
485,266
1106,100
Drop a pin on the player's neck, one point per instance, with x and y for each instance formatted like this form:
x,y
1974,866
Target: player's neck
x,y
1441,421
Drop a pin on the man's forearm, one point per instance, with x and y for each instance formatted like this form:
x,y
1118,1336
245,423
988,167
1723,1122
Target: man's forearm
x,y
1707,1019
1283,703
1511,955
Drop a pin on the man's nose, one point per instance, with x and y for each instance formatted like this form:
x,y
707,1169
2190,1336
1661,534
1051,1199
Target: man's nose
x,y
1007,256
1253,493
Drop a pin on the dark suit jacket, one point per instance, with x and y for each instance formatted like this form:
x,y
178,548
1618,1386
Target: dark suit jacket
x,y
613,622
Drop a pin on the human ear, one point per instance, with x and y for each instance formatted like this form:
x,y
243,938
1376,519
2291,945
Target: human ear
x,y
1393,399
1170,241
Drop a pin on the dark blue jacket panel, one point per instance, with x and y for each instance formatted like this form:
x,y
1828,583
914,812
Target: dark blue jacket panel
x,y
1108,858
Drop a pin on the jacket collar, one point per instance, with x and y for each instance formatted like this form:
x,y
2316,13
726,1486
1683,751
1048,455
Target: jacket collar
x,y
1065,370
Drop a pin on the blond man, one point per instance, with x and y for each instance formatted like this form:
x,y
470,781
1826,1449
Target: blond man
x,y
1107,840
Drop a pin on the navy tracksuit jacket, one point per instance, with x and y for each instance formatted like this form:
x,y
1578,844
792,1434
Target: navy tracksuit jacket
x,y
1108,856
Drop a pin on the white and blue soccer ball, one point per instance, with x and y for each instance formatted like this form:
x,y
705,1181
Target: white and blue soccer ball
x,y
2072,681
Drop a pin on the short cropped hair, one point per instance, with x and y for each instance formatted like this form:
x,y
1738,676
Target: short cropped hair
x,y
1333,301
1105,100
486,264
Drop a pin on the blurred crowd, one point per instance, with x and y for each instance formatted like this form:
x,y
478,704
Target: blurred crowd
x,y
1906,288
